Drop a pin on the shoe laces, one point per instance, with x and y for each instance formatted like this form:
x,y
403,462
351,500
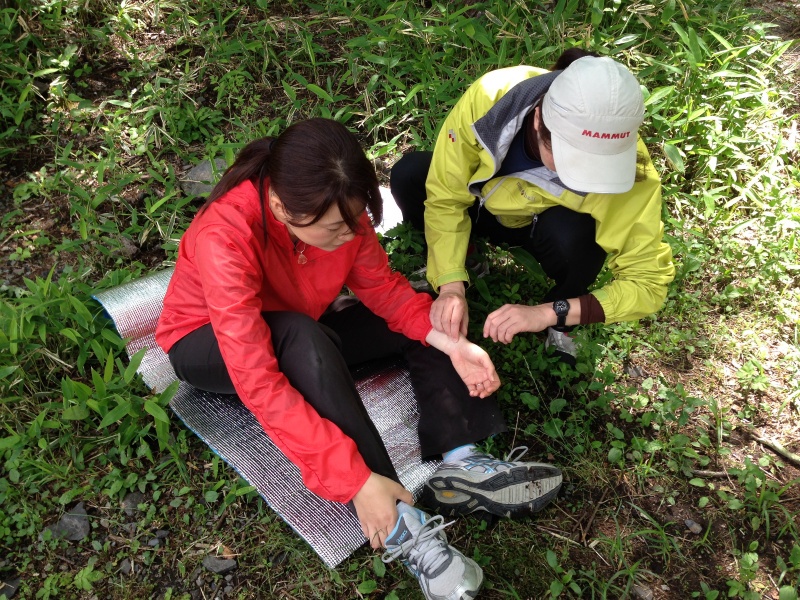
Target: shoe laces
x,y
562,341
490,464
424,551
515,454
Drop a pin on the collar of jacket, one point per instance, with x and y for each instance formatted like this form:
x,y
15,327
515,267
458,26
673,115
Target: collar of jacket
x,y
496,129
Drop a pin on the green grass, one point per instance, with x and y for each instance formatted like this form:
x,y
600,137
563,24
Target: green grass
x,y
104,105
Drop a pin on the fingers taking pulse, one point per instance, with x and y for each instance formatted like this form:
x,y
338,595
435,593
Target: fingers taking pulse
x,y
381,538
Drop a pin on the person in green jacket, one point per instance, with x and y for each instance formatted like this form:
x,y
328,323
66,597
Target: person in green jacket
x,y
550,161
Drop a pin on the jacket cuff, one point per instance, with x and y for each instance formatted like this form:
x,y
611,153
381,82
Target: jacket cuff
x,y
360,481
591,310
450,277
605,303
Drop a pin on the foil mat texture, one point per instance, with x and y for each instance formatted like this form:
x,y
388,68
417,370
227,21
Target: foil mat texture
x,y
232,432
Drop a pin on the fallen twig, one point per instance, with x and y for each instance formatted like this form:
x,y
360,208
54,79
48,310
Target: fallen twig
x,y
709,474
778,449
585,530
557,535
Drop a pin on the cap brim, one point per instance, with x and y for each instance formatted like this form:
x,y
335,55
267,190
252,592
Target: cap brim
x,y
594,173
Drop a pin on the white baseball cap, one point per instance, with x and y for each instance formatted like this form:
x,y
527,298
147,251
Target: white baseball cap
x,y
593,110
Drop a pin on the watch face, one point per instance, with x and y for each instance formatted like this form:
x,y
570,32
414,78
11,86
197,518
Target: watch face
x,y
561,307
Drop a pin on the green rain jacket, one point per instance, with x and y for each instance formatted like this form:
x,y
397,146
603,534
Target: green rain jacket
x,y
470,148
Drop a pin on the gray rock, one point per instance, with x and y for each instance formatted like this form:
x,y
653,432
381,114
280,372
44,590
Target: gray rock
x,y
228,589
642,593
279,558
73,526
162,533
125,566
220,566
9,588
693,526
200,180
634,371
131,503
129,528
154,543
127,247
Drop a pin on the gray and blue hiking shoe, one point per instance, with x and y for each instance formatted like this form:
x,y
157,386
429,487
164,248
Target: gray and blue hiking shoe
x,y
418,540
480,483
562,345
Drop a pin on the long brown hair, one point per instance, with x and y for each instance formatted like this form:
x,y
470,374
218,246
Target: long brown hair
x,y
312,166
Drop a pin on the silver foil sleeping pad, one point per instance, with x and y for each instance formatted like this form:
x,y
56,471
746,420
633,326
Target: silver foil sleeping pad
x,y
233,433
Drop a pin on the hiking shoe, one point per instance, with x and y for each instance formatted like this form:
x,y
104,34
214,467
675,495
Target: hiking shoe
x,y
477,267
562,345
481,483
418,280
418,540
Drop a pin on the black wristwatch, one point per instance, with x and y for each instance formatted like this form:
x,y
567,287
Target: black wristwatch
x,y
561,308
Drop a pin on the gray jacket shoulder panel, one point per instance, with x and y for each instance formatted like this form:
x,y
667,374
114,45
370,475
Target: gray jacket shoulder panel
x,y
492,128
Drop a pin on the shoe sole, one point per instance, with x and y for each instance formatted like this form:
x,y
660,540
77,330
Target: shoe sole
x,y
516,493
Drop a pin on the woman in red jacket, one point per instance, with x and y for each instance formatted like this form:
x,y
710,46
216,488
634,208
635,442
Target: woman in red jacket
x,y
252,309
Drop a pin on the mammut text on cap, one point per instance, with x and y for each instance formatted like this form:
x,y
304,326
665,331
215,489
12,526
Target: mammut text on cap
x,y
593,110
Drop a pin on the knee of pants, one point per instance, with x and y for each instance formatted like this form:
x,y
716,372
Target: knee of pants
x,y
298,337
407,184
571,236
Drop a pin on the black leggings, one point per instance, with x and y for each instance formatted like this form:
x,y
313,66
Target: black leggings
x,y
315,356
563,241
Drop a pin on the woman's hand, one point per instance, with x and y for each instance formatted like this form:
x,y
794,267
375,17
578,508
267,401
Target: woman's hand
x,y
470,361
449,312
376,507
510,319
475,368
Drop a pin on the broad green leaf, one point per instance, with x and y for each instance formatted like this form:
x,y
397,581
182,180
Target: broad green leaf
x,y
243,491
552,559
319,92
658,94
131,369
9,442
118,412
368,586
483,289
787,593
674,157
77,412
152,407
378,566
99,385
6,371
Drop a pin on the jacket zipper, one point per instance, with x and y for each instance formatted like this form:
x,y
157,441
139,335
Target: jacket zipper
x,y
533,225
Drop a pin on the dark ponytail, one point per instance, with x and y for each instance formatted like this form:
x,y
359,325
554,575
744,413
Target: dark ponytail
x,y
569,56
251,163
311,166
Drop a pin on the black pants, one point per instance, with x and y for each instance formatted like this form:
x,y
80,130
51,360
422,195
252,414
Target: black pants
x,y
562,241
316,356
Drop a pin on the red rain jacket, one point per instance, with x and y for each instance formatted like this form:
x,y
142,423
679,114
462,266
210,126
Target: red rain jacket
x,y
226,274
